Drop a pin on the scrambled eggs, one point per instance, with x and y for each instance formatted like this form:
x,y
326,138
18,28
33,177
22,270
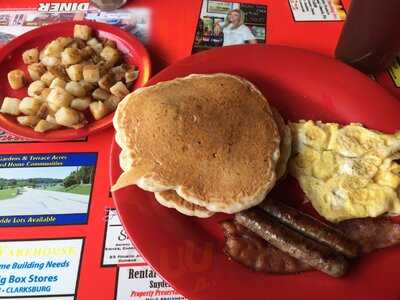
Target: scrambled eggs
x,y
347,172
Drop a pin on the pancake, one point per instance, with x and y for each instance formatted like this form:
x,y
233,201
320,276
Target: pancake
x,y
171,199
211,138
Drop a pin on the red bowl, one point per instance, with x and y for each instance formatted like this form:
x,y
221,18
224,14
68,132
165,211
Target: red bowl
x,y
11,58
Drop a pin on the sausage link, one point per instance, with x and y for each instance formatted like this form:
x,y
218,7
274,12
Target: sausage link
x,y
286,239
311,227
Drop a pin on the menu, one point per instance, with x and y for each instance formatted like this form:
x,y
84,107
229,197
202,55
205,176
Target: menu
x,y
61,236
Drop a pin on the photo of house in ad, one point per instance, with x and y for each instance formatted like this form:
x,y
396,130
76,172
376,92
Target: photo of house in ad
x,y
45,189
224,23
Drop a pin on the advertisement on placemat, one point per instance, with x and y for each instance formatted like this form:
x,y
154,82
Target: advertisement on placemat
x,y
40,268
317,10
45,189
141,282
118,249
229,23
15,23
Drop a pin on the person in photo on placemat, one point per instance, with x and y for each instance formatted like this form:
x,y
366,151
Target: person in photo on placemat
x,y
234,30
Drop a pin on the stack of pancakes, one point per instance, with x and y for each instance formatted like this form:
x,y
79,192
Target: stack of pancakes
x,y
202,144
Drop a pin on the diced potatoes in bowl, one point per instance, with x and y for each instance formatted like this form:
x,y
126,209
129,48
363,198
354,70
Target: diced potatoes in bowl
x,y
71,81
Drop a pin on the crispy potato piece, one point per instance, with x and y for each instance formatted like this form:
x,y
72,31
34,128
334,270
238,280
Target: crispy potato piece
x,y
43,126
112,103
43,111
131,75
100,94
36,70
109,43
29,106
95,45
44,94
78,44
57,82
75,72
106,82
119,72
110,55
87,52
64,40
59,97
53,49
36,88
88,86
59,71
91,73
81,104
83,32
47,78
98,109
50,61
82,121
30,56
119,89
104,67
16,79
10,106
70,56
51,119
75,89
67,116
29,121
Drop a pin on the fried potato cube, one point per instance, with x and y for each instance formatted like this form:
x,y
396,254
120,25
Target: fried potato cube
x,y
36,88
43,111
36,70
104,67
16,79
82,121
43,126
78,44
95,45
59,71
87,52
70,56
98,109
53,49
51,119
81,104
50,61
29,106
64,41
88,86
67,116
131,75
83,32
47,78
106,82
119,89
10,106
57,82
75,89
100,94
91,73
75,72
109,43
119,72
44,94
59,97
110,55
29,121
30,56
112,103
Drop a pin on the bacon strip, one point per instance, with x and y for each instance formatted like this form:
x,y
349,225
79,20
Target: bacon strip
x,y
371,233
249,249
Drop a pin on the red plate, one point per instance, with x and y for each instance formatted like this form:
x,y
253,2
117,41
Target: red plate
x,y
187,252
11,58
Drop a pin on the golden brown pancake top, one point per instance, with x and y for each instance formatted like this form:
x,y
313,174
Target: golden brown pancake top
x,y
212,138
